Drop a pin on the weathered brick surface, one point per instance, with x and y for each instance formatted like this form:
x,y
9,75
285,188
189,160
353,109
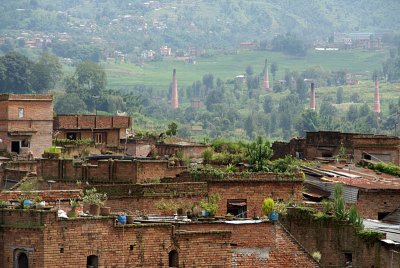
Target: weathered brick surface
x,y
37,120
121,171
254,192
370,203
333,239
189,150
67,243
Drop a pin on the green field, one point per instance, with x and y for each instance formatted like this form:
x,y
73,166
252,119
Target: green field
x,y
158,74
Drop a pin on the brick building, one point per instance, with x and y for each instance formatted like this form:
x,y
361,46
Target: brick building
x,y
26,123
188,149
105,131
39,239
328,144
374,194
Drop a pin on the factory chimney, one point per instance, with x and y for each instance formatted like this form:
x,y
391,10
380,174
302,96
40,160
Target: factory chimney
x,y
174,101
266,78
377,103
312,97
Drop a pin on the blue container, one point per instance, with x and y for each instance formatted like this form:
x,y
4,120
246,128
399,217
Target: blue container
x,y
27,203
121,219
273,216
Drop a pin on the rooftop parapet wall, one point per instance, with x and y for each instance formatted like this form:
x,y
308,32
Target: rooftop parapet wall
x,y
77,122
106,171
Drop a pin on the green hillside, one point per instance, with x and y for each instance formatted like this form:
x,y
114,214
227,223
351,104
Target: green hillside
x,y
158,74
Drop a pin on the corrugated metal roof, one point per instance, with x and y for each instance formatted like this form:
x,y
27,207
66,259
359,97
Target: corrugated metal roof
x,y
359,177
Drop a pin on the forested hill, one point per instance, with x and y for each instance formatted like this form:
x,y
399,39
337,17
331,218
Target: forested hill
x,y
127,25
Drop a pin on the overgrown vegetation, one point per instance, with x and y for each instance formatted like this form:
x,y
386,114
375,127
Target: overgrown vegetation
x,y
388,168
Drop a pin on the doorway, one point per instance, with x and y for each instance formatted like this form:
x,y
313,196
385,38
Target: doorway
x,y
15,146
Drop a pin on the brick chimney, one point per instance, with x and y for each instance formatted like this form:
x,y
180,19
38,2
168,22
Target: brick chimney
x,y
377,103
312,97
266,78
174,101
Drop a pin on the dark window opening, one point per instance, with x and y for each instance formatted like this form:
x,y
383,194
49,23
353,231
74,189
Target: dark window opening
x,y
327,154
382,215
348,258
21,260
131,247
173,261
366,156
72,135
237,207
92,261
15,146
25,143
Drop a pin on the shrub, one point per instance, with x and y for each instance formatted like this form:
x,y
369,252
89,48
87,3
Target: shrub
x,y
93,197
268,206
316,256
212,205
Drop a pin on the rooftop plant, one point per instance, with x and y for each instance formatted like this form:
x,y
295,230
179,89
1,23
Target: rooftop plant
x,y
93,197
268,206
211,206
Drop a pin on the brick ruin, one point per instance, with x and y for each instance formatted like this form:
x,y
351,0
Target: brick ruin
x,y
328,144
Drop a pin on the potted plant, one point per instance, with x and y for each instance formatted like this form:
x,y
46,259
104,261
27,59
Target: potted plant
x,y
105,211
39,203
166,207
229,217
73,203
211,206
268,209
95,200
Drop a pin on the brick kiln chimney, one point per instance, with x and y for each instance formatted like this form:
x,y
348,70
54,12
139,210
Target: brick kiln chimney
x,y
312,97
377,103
266,78
174,101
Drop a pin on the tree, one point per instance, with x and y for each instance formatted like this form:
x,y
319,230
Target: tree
x,y
249,126
274,69
267,104
172,129
249,70
53,65
88,81
327,110
17,71
258,153
339,95
309,121
352,114
69,103
208,81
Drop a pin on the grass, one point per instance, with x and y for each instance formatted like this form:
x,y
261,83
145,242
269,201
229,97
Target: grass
x,y
227,66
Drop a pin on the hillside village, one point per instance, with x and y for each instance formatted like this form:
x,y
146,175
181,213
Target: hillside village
x,y
87,190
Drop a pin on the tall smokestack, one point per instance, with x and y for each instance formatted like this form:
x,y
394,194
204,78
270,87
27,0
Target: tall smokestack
x,y
266,78
174,101
312,97
377,103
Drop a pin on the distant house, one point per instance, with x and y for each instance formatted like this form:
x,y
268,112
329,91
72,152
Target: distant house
x,y
165,51
26,123
248,45
106,131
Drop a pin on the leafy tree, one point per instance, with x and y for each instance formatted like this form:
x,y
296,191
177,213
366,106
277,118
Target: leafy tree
x,y
267,104
249,126
352,114
249,70
339,95
172,129
69,103
258,153
274,69
88,81
327,110
208,81
309,121
17,71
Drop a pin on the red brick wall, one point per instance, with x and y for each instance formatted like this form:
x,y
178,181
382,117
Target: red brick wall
x,y
332,239
254,193
38,119
92,122
371,202
123,171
